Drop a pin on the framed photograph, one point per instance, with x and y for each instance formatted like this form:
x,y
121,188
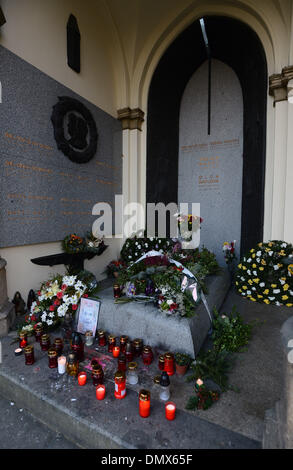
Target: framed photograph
x,y
88,315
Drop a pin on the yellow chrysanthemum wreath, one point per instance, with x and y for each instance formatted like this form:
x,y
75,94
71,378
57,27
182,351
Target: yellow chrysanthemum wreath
x,y
265,274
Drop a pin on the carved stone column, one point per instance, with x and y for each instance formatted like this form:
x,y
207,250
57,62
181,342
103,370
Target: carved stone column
x,y
7,312
132,121
278,84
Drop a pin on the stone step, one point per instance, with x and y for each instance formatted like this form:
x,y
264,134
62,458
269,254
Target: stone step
x,y
62,405
272,428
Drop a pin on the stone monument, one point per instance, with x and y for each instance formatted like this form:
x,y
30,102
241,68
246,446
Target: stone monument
x,y
7,312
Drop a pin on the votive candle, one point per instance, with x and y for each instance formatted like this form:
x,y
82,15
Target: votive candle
x,y
100,392
116,351
61,364
170,409
81,378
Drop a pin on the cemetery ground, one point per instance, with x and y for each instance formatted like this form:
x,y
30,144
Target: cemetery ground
x,y
41,412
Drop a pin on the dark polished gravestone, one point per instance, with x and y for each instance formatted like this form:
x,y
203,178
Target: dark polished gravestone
x,y
44,194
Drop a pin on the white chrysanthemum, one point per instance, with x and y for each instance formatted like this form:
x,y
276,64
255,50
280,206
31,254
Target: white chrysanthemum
x,y
282,282
271,253
258,254
258,260
276,291
44,316
272,298
254,273
49,322
283,245
170,302
249,272
51,314
249,260
276,267
262,284
248,292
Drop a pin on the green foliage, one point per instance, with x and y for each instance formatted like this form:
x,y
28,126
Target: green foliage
x,y
230,333
214,365
203,400
139,244
183,359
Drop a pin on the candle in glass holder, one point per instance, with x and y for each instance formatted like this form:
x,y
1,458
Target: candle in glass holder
x,y
102,338
111,343
100,392
128,352
72,365
170,409
39,332
81,378
116,351
123,342
137,347
120,385
45,342
52,356
89,339
144,403
97,375
23,339
161,362
29,355
132,377
122,362
61,364
169,363
58,345
147,355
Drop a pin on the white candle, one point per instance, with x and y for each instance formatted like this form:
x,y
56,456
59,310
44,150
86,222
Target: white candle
x,y
61,364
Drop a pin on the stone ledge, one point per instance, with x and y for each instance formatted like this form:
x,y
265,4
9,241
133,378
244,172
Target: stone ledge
x,y
7,316
107,424
166,332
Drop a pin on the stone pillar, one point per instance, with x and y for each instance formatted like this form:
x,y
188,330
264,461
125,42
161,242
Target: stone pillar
x,y
7,311
283,167
131,120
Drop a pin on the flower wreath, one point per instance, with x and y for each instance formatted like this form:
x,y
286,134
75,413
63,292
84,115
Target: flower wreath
x,y
265,274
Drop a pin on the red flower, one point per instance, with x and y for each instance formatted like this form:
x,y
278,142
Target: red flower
x,y
39,292
85,295
51,308
64,287
59,295
173,306
33,318
57,302
74,307
26,318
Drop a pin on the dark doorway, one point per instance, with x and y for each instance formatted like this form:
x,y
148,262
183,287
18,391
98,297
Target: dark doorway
x,y
236,44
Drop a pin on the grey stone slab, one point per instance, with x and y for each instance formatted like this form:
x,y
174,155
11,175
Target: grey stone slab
x,y
210,166
44,195
65,407
167,332
7,317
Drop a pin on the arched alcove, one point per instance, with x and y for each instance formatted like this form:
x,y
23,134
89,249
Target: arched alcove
x,y
238,46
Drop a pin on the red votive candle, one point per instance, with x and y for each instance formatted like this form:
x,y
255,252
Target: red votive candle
x,y
170,409
116,351
23,340
81,378
169,363
144,403
100,392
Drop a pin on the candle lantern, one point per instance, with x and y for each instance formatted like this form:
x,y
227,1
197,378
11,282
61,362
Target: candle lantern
x,y
111,343
81,378
132,376
89,339
169,363
116,351
170,409
123,342
97,375
120,385
77,346
23,339
72,365
161,362
129,351
100,392
147,355
45,342
116,291
61,364
38,332
58,345
144,403
29,355
165,386
122,362
137,347
52,356
102,338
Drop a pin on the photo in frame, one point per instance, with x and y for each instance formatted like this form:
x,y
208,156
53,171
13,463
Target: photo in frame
x,y
88,315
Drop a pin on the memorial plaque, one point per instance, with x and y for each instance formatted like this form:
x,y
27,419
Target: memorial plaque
x,y
45,195
210,166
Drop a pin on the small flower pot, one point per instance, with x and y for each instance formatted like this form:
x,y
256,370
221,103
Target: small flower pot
x,y
181,370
